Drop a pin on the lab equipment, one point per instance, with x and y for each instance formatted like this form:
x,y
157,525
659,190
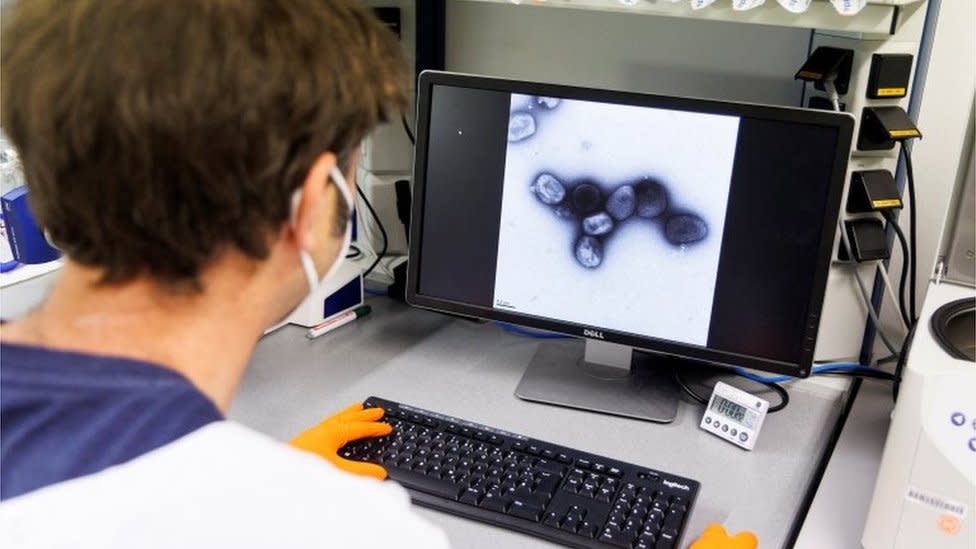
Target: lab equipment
x,y
562,494
690,230
926,485
734,415
26,238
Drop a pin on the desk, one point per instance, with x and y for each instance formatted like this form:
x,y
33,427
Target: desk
x,y
470,370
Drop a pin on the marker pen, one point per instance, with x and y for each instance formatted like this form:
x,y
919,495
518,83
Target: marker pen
x,y
338,321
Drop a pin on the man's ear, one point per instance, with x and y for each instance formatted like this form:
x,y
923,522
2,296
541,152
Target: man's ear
x,y
310,201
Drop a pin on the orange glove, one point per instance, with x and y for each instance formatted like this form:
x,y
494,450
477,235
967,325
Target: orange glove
x,y
715,537
353,423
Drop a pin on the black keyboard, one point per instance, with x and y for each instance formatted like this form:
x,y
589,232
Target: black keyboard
x,y
539,488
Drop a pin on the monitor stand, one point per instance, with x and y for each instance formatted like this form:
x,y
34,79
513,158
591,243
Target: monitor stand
x,y
607,378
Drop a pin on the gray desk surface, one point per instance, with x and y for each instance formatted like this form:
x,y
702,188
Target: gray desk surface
x,y
471,370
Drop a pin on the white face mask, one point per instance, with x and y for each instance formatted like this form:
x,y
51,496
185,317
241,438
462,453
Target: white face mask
x,y
308,266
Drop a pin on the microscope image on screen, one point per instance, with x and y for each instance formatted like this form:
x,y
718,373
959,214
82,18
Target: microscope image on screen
x,y
628,202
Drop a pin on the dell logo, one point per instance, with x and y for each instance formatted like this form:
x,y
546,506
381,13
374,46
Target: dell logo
x,y
596,334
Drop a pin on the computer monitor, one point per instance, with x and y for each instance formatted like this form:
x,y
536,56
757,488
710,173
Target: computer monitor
x,y
692,231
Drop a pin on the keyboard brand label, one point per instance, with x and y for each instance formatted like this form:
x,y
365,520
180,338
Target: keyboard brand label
x,y
596,334
672,484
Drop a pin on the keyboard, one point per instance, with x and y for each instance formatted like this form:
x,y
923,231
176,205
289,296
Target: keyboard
x,y
542,489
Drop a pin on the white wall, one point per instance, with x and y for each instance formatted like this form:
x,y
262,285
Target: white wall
x,y
945,116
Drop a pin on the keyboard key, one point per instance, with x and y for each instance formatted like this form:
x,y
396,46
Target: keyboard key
x,y
588,528
599,467
551,519
666,541
424,483
548,454
551,466
563,458
471,496
615,538
570,523
494,501
524,509
584,463
672,523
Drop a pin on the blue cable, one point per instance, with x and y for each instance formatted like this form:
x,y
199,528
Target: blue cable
x,y
528,333
8,266
819,369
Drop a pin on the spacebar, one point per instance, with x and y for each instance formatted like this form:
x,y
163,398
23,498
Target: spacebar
x,y
423,483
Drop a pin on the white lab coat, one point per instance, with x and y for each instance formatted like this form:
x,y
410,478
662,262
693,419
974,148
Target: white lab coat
x,y
222,486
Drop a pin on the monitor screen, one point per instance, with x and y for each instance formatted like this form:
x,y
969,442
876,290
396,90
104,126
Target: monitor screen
x,y
695,228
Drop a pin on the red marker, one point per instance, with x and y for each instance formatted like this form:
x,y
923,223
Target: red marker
x,y
338,321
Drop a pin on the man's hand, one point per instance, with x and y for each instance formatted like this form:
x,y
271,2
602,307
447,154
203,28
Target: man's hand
x,y
715,537
353,423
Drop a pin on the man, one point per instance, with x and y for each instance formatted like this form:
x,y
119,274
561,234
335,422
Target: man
x,y
193,159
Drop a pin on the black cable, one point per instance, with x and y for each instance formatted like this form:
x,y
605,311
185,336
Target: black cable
x,y
780,390
900,367
688,390
913,234
379,224
354,252
860,373
406,128
905,262
784,396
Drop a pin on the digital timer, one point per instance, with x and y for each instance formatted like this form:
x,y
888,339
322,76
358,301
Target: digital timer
x,y
734,415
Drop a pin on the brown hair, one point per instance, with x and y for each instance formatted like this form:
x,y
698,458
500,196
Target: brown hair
x,y
154,133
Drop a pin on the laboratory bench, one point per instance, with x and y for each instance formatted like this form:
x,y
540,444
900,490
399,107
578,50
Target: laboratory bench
x,y
470,370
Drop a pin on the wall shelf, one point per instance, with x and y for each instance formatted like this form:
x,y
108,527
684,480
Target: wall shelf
x,y
879,18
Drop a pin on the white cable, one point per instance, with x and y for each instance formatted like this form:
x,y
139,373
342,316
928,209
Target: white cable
x,y
832,93
890,290
864,293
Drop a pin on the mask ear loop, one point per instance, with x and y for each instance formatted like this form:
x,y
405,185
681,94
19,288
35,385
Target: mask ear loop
x,y
308,266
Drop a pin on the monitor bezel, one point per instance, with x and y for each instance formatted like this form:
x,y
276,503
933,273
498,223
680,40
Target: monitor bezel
x,y
842,122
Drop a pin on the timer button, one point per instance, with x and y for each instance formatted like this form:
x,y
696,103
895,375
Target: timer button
x,y
717,424
725,428
708,421
972,444
734,432
958,419
743,436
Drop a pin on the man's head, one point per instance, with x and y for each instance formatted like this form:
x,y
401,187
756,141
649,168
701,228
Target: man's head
x,y
157,134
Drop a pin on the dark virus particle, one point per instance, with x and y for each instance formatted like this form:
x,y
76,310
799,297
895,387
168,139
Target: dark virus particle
x,y
587,199
622,202
548,103
597,224
652,199
685,228
548,189
589,252
521,126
